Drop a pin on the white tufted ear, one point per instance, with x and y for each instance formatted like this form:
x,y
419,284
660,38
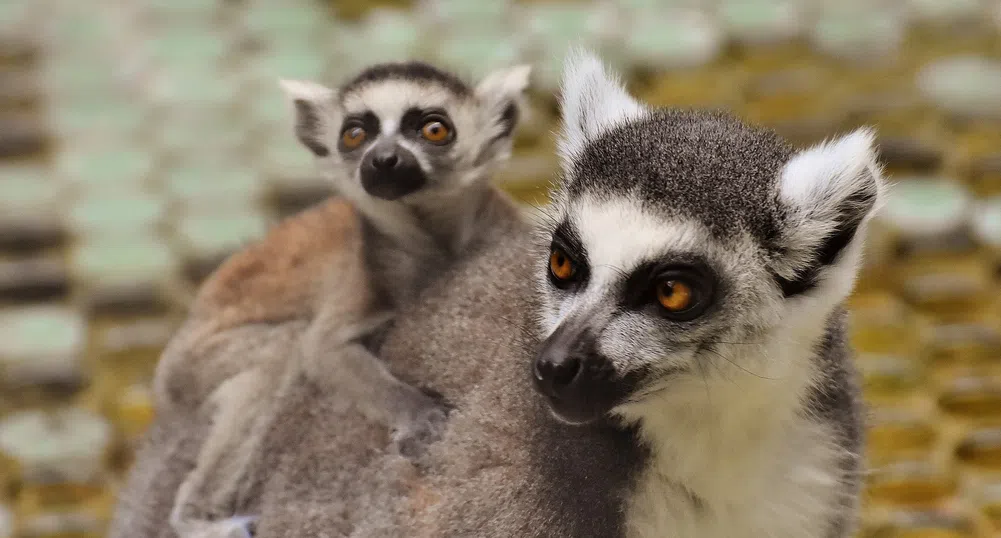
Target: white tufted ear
x,y
502,94
315,113
828,191
504,84
820,178
591,102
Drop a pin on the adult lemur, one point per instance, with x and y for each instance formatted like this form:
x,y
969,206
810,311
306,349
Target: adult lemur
x,y
692,288
412,148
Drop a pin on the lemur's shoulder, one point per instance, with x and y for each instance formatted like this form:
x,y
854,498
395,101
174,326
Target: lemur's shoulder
x,y
276,278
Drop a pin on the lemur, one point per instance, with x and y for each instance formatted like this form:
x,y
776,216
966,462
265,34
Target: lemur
x,y
412,147
686,373
415,148
692,288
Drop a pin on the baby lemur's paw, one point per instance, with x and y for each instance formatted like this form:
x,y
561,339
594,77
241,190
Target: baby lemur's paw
x,y
423,425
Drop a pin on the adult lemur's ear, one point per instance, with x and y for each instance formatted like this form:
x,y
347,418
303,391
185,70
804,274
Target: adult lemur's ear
x,y
592,101
315,114
827,193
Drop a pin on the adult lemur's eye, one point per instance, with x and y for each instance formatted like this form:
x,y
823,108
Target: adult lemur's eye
x,y
435,131
353,137
674,295
560,265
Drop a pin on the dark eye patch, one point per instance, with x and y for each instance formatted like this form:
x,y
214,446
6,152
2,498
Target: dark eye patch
x,y
639,288
566,238
415,118
368,121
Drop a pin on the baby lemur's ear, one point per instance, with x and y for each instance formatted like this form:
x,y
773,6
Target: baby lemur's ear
x,y
592,101
501,93
315,114
827,193
501,96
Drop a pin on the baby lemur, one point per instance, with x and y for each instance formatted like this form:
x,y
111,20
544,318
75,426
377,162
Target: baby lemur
x,y
412,148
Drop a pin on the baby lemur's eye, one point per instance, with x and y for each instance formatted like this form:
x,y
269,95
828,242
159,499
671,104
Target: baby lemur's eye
x,y
674,295
436,131
561,267
353,137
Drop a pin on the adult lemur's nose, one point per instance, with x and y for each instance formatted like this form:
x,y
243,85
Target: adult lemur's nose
x,y
579,383
556,371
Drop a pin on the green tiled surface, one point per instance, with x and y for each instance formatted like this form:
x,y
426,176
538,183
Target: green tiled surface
x,y
143,142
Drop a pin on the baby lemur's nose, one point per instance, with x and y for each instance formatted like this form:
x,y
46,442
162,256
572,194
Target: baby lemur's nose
x,y
385,161
557,372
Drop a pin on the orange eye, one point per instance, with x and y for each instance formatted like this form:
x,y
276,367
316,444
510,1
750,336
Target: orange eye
x,y
435,131
674,295
560,265
353,137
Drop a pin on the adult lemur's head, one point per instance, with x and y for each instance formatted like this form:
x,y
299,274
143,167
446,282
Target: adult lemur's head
x,y
688,249
408,131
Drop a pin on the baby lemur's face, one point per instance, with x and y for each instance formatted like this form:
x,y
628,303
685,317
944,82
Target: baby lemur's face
x,y
680,245
405,131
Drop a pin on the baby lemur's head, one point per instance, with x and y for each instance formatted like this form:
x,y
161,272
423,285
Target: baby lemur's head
x,y
408,131
686,249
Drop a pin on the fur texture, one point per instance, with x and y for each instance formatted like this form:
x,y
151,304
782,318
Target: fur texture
x,y
270,282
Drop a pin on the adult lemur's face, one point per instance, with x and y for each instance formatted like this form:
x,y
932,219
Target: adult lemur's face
x,y
680,241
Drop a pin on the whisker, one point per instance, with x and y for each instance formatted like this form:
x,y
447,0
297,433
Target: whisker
x,y
721,372
713,342
745,370
705,382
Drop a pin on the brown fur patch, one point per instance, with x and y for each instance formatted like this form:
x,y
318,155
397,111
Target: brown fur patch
x,y
421,497
276,278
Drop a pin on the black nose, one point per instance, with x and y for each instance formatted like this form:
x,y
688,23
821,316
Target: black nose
x,y
579,383
556,373
385,161
390,171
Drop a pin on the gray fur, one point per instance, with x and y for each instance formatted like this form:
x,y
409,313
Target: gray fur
x,y
838,401
708,165
504,467
170,448
407,71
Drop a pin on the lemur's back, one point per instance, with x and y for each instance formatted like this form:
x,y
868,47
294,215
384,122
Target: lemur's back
x,y
504,468
271,282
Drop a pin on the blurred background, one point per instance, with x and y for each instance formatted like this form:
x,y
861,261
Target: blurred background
x,y
141,141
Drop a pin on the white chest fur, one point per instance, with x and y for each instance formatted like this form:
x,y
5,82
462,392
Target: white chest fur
x,y
788,486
